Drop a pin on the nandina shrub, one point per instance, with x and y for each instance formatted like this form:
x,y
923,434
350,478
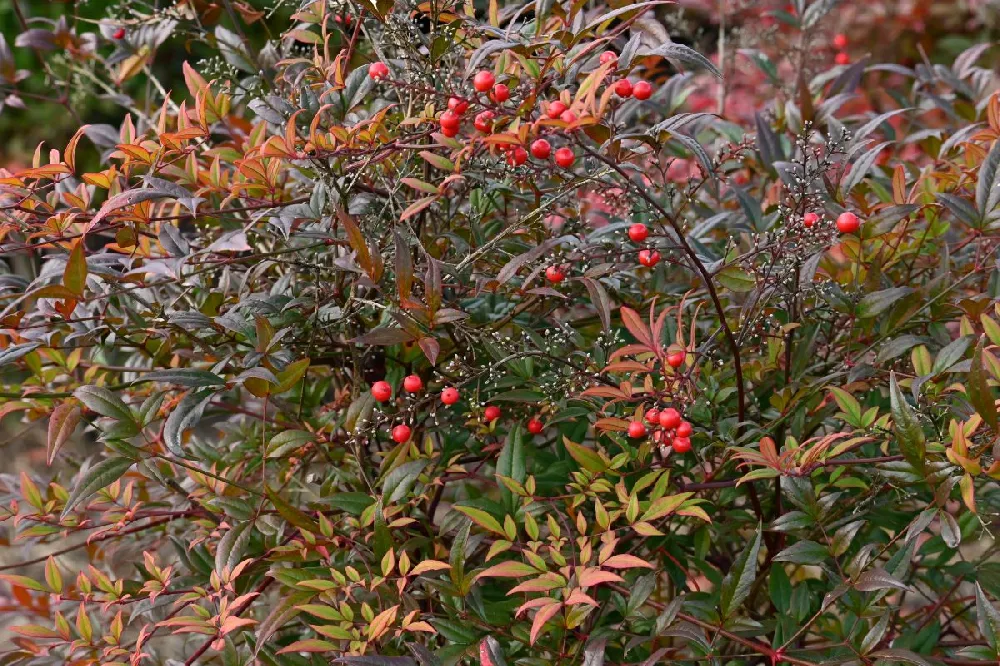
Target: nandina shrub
x,y
443,334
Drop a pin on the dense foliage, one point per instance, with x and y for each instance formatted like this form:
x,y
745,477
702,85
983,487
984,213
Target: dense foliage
x,y
517,333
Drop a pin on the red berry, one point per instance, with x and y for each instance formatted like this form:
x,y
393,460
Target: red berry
x,y
649,258
401,433
623,88
608,57
484,121
842,59
848,223
501,93
450,120
554,274
491,413
675,359
555,109
670,418
458,105
684,429
412,384
541,149
809,219
567,116
565,157
840,41
652,416
449,396
636,429
535,426
449,131
119,33
682,444
642,90
638,232
517,156
381,391
483,81
378,70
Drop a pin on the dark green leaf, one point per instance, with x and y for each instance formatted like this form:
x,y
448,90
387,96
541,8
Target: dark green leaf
x,y
101,475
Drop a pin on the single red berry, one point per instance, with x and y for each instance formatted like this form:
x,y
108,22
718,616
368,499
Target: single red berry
x,y
642,90
483,81
119,33
378,70
381,391
623,88
670,418
458,105
535,426
501,93
449,131
636,429
848,223
565,157
675,359
554,274
840,41
842,59
450,120
809,219
567,116
412,384
401,433
517,156
649,258
681,444
638,232
484,121
652,416
555,109
541,149
449,396
684,429
609,57
491,413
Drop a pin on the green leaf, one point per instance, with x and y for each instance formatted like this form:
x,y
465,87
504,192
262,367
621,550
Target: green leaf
x,y
737,583
511,463
736,279
878,302
230,549
185,415
101,475
353,503
875,634
75,274
383,538
483,519
290,513
400,480
908,431
288,440
803,552
105,403
978,388
950,354
588,459
987,618
189,377
13,353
